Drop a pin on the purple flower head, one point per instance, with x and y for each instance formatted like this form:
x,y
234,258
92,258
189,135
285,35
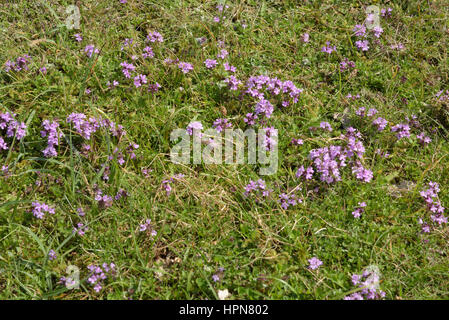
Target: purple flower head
x,y
362,45
305,37
210,63
221,124
139,80
90,50
359,30
314,263
229,68
52,255
381,123
328,48
147,52
39,209
155,37
222,54
185,67
78,37
195,126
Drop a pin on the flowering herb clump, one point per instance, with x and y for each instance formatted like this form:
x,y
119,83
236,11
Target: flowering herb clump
x,y
147,227
12,127
99,275
39,209
434,206
51,132
287,200
368,282
359,210
329,161
257,189
20,64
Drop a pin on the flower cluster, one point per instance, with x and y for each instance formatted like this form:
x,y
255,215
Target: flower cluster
x,y
155,37
381,123
359,210
270,140
90,50
261,88
402,130
148,228
368,283
127,43
13,128
221,124
99,274
328,48
147,53
185,67
314,263
80,229
257,189
287,200
210,63
423,139
104,201
361,112
52,255
127,69
139,80
194,126
345,64
39,209
78,37
233,82
326,126
166,184
20,64
434,205
360,31
328,161
86,127
51,132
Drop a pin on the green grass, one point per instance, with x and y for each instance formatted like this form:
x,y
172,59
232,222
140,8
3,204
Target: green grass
x,y
206,223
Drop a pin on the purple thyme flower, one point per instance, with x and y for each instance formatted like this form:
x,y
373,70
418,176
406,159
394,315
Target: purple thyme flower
x,y
147,52
381,123
51,132
127,69
328,48
90,50
155,37
148,227
210,63
52,255
423,139
326,126
305,37
359,210
229,68
221,124
359,30
39,209
139,80
314,263
362,44
78,37
185,67
194,126
402,129
222,54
